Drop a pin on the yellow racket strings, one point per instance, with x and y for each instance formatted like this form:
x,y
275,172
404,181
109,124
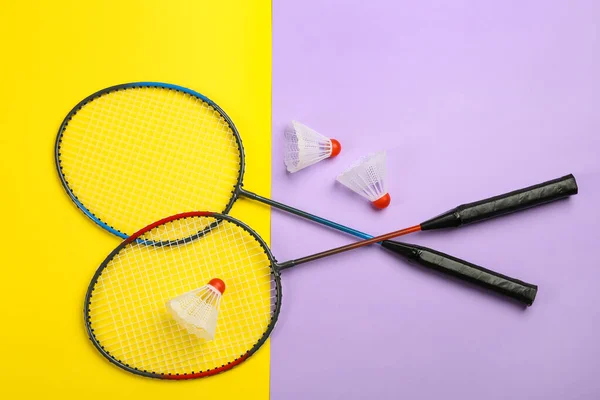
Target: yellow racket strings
x,y
137,155
128,311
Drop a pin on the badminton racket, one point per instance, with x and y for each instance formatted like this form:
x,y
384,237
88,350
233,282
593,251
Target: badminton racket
x,y
134,153
125,307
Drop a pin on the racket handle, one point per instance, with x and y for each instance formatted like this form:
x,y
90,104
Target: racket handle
x,y
504,204
513,288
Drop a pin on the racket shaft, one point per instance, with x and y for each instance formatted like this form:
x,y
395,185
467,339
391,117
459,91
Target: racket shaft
x,y
352,246
507,203
461,269
304,214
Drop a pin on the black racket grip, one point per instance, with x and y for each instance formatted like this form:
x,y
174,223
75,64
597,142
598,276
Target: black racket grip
x,y
504,204
511,287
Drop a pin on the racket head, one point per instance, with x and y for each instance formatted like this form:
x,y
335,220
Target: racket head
x,y
125,311
134,153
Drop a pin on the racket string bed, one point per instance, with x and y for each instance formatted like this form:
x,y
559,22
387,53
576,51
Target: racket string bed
x,y
150,338
134,144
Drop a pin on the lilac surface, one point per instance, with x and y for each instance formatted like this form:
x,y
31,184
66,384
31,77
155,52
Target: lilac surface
x,y
470,99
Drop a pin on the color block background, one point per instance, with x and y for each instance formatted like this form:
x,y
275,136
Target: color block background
x,y
54,53
470,99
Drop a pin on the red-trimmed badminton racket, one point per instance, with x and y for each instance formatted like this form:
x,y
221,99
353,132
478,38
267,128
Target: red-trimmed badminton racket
x,y
125,307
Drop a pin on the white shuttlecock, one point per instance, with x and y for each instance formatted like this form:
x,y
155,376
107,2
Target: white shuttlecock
x,y
367,178
197,310
305,146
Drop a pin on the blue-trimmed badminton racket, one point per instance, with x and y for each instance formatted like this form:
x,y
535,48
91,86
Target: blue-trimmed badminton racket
x,y
134,153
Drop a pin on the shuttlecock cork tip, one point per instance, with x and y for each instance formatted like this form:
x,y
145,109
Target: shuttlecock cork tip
x,y
383,201
336,147
217,284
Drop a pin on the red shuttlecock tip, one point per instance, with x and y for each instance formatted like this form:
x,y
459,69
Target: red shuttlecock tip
x,y
217,284
336,147
383,201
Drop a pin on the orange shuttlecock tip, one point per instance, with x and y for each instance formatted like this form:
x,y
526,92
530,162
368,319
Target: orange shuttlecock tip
x,y
217,284
383,201
336,147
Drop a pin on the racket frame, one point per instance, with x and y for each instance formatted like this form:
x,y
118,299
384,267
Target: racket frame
x,y
135,237
124,86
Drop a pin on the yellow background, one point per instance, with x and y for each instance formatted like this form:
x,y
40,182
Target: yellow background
x,y
53,54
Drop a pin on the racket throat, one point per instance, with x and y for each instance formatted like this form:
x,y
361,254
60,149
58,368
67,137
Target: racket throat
x,y
286,265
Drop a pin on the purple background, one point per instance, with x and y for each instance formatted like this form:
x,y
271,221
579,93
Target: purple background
x,y
470,99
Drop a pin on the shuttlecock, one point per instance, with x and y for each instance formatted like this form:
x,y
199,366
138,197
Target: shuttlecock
x,y
197,310
367,178
305,146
